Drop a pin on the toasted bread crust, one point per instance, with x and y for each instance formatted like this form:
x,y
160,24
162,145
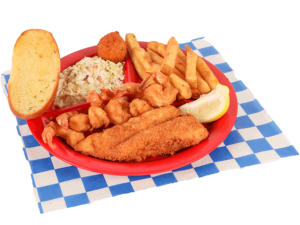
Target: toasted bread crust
x,y
17,57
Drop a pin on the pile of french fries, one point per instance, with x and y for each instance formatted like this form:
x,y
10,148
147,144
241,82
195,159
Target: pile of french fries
x,y
188,73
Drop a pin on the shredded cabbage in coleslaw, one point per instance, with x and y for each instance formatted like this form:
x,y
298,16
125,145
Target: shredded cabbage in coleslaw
x,y
78,80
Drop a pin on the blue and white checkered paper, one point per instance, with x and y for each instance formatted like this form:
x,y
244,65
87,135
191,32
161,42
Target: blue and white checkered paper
x,y
255,139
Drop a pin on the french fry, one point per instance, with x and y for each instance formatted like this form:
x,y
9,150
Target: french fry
x,y
158,59
182,86
206,73
169,60
179,97
155,65
177,72
154,56
131,42
203,69
153,45
202,86
160,49
143,57
180,65
190,72
195,93
181,55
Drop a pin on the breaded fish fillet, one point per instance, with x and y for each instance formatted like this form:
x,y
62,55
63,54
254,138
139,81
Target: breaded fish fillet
x,y
100,145
163,139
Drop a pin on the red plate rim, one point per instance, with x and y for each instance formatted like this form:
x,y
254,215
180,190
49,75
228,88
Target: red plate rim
x,y
220,128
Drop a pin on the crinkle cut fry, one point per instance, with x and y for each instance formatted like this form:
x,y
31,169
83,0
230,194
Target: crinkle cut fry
x,y
178,134
100,145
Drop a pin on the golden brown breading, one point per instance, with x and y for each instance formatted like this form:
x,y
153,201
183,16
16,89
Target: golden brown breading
x,y
86,146
53,129
101,145
117,110
163,139
112,47
80,122
98,117
138,107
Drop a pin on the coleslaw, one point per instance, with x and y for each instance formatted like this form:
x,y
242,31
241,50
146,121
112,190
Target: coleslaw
x,y
88,74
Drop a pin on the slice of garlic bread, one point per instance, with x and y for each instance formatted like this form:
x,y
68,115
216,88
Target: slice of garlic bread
x,y
34,75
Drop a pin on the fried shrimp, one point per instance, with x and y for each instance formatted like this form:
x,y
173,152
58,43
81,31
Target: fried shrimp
x,y
162,93
48,134
95,99
80,122
53,129
63,119
98,117
74,120
117,111
133,88
138,107
106,94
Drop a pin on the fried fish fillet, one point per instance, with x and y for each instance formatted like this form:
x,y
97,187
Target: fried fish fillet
x,y
163,139
100,145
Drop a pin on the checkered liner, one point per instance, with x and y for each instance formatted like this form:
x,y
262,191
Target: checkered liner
x,y
254,139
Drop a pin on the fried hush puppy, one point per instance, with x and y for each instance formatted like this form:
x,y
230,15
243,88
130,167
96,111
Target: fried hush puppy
x,y
112,47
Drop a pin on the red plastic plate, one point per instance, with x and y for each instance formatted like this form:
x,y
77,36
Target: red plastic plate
x,y
218,130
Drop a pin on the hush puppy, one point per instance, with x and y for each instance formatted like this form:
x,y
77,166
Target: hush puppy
x,y
112,47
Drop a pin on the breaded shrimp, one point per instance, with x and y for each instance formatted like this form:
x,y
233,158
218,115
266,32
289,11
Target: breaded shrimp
x,y
80,122
98,117
94,99
48,134
117,111
63,119
53,129
133,88
138,107
74,120
106,94
160,94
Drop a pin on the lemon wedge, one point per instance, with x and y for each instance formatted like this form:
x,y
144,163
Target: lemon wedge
x,y
209,107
